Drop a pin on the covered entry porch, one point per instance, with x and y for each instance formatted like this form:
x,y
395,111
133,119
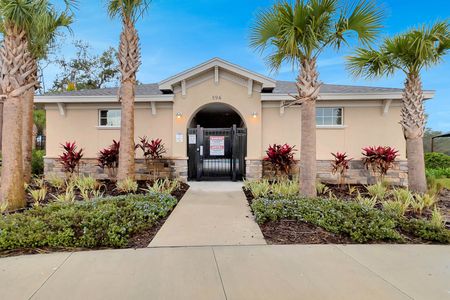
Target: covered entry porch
x,y
217,144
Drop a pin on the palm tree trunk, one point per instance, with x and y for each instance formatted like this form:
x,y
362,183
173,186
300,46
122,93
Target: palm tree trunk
x,y
12,184
126,153
413,123
129,61
308,87
27,133
1,121
16,67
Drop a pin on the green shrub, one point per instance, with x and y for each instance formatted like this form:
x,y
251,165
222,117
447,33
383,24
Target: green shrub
x,y
438,173
426,230
103,222
360,222
437,160
37,162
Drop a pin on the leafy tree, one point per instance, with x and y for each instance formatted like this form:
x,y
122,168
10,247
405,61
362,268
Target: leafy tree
x,y
39,120
86,70
410,52
298,33
129,11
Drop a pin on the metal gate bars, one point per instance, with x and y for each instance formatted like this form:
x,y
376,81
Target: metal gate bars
x,y
217,153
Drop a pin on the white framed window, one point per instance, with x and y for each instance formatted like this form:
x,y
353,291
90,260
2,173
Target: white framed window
x,y
330,116
109,117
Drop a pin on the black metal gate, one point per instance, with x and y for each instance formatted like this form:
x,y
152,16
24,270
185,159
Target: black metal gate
x,y
217,153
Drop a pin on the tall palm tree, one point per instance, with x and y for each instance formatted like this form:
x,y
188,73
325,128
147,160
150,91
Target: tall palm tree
x,y
129,60
43,33
297,33
410,52
16,17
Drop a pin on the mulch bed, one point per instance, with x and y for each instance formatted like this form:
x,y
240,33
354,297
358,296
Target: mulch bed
x,y
139,240
287,231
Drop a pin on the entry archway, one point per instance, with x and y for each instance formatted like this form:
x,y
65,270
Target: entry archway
x,y
216,115
217,143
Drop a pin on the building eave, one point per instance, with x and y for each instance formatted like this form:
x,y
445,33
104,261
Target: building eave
x,y
345,96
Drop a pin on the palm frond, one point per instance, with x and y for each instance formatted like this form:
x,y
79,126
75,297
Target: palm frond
x,y
370,63
363,18
131,10
410,52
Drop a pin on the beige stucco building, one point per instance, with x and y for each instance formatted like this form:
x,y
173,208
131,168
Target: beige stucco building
x,y
219,94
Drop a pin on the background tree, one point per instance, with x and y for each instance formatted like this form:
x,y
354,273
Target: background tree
x,y
298,33
129,61
42,35
86,70
410,52
17,65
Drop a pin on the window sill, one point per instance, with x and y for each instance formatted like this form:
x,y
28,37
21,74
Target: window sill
x,y
108,127
331,126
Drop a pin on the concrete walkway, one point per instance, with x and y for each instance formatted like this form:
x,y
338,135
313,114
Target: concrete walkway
x,y
210,213
233,273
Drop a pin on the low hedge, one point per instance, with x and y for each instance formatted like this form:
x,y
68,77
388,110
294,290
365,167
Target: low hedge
x,y
104,222
361,223
434,160
438,173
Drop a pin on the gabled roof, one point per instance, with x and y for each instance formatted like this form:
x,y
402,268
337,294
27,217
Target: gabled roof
x,y
168,83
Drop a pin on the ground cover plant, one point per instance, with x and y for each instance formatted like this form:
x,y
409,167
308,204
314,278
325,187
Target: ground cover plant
x,y
366,214
100,222
82,212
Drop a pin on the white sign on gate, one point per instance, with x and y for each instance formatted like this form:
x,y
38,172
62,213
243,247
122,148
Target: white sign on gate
x,y
192,139
216,145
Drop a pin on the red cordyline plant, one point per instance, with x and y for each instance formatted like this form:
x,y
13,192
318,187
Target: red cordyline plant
x,y
153,149
340,165
109,158
281,157
70,159
380,159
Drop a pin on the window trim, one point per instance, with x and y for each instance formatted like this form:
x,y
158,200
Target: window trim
x,y
342,125
99,126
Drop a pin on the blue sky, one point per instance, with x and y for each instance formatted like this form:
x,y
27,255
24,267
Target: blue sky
x,y
177,34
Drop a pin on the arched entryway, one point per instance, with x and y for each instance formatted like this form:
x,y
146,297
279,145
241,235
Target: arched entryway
x,y
217,143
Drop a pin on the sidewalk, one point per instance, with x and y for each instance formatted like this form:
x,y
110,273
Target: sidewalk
x,y
210,213
233,273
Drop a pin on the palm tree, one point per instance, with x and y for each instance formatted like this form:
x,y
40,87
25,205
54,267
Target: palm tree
x,y
43,33
129,60
410,52
297,33
16,17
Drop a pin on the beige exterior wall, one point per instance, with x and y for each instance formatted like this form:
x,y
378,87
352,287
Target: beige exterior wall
x,y
80,124
365,124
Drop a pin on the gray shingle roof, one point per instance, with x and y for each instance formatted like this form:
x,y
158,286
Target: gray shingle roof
x,y
141,90
289,87
283,87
